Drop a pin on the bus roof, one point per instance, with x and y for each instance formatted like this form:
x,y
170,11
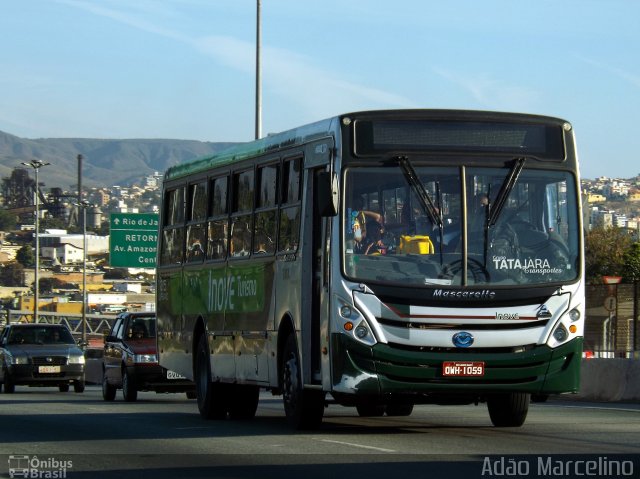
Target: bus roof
x,y
296,136
329,126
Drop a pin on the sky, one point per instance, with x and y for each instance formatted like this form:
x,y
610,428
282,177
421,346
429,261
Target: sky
x,y
185,69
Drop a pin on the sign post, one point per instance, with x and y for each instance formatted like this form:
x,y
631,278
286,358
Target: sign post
x,y
133,240
610,327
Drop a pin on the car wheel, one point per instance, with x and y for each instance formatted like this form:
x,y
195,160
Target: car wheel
x,y
303,407
64,388
212,400
78,386
108,390
9,387
129,389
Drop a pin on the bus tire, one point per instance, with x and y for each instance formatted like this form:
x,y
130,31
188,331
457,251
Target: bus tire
x,y
370,410
210,395
243,401
508,410
399,409
303,407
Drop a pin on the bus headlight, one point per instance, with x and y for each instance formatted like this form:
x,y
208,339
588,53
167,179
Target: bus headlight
x,y
353,324
560,333
574,315
362,332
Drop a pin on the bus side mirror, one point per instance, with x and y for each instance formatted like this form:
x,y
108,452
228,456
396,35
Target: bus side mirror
x,y
327,194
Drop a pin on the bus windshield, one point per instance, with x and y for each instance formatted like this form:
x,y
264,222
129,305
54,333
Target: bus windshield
x,y
520,226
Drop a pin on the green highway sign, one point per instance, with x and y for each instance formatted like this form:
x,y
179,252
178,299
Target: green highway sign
x,y
133,240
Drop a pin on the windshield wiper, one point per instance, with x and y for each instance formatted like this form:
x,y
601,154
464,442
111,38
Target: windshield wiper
x,y
434,214
507,185
494,209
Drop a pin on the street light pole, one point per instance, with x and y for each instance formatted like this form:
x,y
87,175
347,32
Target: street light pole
x,y
36,165
258,73
84,204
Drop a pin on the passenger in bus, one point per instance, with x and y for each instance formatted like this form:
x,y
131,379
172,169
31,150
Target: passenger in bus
x,y
360,222
195,253
373,243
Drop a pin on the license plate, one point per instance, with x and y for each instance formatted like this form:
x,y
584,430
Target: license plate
x,y
48,369
172,375
461,368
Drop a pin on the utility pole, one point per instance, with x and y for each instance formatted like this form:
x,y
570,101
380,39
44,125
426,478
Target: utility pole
x,y
258,74
84,204
36,165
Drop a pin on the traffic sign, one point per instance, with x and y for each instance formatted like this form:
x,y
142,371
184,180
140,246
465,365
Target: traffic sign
x,y
133,240
610,303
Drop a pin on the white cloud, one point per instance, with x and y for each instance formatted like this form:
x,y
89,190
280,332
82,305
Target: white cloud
x,y
626,75
295,78
489,92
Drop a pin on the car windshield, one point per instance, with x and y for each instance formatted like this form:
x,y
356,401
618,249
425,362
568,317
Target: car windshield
x,y
142,328
40,335
521,226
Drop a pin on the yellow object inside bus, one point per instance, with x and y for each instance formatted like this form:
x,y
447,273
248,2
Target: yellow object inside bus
x,y
418,244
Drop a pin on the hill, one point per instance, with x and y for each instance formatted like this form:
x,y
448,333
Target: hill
x,y
105,163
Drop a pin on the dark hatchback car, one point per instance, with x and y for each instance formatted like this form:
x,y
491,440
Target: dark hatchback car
x,y
40,355
131,361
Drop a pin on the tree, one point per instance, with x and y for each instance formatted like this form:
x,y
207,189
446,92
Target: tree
x,y
47,285
631,271
116,273
26,257
50,223
7,220
12,274
604,253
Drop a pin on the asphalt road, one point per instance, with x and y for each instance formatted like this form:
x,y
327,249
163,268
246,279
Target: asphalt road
x,y
163,436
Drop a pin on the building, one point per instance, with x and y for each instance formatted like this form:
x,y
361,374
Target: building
x,y
65,248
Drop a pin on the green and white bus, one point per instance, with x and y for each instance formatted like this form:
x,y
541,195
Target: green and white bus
x,y
377,260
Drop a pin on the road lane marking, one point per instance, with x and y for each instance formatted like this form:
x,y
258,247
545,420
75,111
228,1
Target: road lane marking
x,y
602,408
381,449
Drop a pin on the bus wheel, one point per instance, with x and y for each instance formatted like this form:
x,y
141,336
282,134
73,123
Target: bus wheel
x,y
399,409
370,410
508,410
303,407
210,396
243,401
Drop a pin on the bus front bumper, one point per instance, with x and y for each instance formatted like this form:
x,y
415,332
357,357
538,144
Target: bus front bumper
x,y
385,369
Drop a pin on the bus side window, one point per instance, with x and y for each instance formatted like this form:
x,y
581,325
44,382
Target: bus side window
x,y
289,229
265,218
218,227
197,214
173,233
242,218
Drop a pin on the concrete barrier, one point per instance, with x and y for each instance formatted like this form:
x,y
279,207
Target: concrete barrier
x,y
610,380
